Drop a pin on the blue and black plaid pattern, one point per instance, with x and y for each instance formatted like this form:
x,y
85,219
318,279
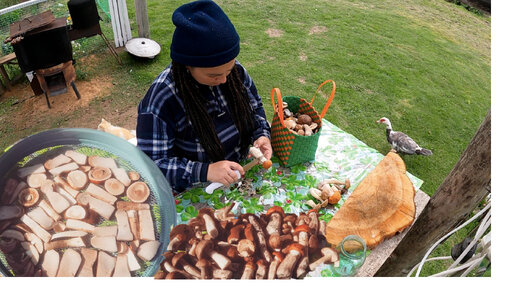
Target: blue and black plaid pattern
x,y
168,138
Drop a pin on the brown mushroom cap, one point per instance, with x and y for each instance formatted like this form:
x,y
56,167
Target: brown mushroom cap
x,y
246,248
274,209
183,229
138,191
301,228
304,119
296,247
177,257
279,256
28,197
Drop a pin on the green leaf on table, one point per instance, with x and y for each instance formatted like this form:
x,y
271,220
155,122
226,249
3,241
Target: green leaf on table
x,y
179,208
196,198
191,211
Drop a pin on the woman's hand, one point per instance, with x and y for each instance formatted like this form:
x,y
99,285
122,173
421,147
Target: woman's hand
x,y
264,144
222,171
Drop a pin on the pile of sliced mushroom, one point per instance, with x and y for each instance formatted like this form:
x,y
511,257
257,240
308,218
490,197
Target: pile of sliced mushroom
x,y
218,245
50,215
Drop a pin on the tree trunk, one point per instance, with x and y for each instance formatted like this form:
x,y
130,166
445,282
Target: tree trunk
x,y
459,194
140,9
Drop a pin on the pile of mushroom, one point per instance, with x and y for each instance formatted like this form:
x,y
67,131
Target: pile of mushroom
x,y
51,217
328,191
300,124
218,245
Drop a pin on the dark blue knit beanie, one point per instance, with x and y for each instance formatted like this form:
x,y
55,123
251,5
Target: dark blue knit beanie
x,y
204,35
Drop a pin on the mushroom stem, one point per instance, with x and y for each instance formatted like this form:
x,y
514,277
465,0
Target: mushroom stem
x,y
211,228
285,268
261,238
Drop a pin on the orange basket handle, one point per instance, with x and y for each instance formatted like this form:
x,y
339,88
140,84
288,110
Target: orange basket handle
x,y
330,99
280,104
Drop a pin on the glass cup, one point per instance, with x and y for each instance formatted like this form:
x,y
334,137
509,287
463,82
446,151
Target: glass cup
x,y
352,253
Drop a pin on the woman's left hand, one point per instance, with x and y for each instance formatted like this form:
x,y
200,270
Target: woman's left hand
x,y
264,144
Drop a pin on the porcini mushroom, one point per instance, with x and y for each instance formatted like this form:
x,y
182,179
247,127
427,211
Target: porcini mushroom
x,y
303,232
235,233
180,260
249,269
69,264
275,215
50,263
204,249
209,221
35,180
246,248
285,268
330,255
179,235
261,271
203,265
278,258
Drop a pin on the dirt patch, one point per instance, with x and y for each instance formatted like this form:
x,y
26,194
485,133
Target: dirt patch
x,y
301,80
318,30
303,57
31,109
274,32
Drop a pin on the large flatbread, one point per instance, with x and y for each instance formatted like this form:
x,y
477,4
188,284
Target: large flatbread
x,y
381,205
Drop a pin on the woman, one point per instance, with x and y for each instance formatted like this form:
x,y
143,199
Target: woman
x,y
202,113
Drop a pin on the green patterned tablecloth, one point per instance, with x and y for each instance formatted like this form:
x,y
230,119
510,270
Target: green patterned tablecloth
x,y
338,155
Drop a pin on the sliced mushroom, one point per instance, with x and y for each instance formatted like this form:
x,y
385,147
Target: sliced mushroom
x,y
9,198
68,234
39,216
107,243
35,241
77,179
96,161
132,215
77,157
12,234
79,225
69,263
89,257
75,212
8,212
49,210
132,261
133,175
26,171
114,186
50,263
64,168
146,225
57,161
122,176
128,205
148,250
66,195
100,193
121,266
64,184
58,202
99,174
124,230
36,228
67,243
36,179
31,251
105,264
138,191
104,209
107,231
28,197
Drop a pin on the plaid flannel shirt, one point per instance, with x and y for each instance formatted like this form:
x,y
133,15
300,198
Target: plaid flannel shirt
x,y
168,138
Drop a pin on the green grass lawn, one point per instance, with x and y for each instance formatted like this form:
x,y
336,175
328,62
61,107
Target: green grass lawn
x,y
424,64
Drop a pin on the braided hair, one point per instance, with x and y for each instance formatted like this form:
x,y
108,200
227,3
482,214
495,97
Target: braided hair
x,y
196,112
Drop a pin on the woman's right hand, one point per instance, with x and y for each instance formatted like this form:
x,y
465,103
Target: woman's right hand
x,y
222,171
